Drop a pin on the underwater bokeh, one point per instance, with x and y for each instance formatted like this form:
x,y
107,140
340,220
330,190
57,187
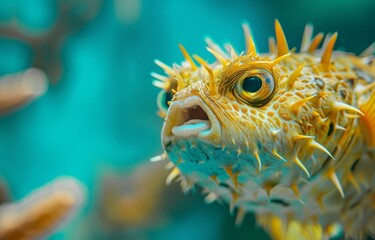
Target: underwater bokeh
x,y
87,109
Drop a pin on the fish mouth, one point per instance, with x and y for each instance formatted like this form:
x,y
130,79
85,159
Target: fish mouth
x,y
191,118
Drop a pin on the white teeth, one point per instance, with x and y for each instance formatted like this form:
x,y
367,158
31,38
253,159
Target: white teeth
x,y
191,127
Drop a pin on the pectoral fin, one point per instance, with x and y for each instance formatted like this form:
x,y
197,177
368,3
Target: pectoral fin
x,y
293,230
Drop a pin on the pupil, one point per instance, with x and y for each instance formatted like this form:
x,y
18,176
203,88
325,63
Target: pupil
x,y
252,84
167,97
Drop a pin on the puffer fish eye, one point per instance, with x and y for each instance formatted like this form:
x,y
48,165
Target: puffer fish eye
x,y
162,100
255,87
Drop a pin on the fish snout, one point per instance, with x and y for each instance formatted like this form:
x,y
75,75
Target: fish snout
x,y
191,118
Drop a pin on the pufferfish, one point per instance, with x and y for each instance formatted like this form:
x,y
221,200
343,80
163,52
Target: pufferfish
x,y
286,135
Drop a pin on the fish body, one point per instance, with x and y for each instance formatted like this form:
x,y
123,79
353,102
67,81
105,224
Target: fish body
x,y
287,135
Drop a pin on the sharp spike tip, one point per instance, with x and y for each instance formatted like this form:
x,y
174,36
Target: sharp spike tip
x,y
187,57
326,57
282,44
250,44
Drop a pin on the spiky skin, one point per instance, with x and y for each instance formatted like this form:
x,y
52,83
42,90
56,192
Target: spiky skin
x,y
300,157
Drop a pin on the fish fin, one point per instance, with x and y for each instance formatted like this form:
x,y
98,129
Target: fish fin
x,y
367,121
293,230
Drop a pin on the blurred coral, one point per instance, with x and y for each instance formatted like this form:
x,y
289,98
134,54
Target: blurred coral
x,y
133,198
47,45
42,211
20,88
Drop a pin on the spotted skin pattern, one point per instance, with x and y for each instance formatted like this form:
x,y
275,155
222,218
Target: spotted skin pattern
x,y
299,152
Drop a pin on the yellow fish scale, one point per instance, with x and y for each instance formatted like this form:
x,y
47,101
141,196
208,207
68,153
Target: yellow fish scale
x,y
287,135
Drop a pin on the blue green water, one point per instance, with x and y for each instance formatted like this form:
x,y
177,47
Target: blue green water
x,y
102,112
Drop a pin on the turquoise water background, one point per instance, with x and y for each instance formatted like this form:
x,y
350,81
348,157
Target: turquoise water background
x,y
101,113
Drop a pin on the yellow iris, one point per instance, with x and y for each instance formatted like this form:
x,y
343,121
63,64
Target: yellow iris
x,y
255,87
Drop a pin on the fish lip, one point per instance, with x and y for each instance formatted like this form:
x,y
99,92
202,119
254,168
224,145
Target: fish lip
x,y
212,136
